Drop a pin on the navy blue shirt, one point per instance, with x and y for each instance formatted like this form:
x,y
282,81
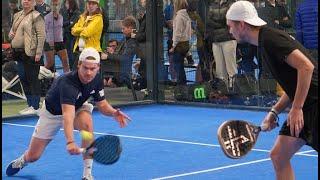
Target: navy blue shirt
x,y
68,89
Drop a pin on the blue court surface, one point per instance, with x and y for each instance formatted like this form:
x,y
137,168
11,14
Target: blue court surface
x,y
161,142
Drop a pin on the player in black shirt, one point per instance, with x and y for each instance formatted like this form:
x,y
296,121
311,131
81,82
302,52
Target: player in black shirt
x,y
66,105
297,73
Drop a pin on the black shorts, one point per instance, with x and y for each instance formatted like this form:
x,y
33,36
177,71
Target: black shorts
x,y
309,133
58,46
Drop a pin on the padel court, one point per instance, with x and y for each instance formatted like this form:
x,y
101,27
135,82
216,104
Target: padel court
x,y
161,142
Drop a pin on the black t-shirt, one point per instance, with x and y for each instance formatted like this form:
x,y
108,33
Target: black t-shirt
x,y
274,47
68,89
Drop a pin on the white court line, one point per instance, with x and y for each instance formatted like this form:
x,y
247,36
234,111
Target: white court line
x,y
218,168
164,140
214,169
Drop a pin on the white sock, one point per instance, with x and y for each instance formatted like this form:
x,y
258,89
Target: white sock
x,y
87,167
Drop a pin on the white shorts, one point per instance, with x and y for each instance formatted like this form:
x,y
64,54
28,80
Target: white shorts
x,y
48,124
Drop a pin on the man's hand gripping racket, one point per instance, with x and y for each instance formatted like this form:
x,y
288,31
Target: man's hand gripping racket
x,y
238,137
105,149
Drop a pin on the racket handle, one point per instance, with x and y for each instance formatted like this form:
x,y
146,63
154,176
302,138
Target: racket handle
x,y
83,150
263,127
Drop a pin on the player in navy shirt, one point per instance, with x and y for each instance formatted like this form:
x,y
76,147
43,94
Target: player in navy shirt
x,y
297,73
66,106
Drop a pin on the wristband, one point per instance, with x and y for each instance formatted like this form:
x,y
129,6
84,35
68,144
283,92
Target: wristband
x,y
275,115
274,111
70,142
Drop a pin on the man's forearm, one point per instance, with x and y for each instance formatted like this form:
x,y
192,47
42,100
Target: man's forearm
x,y
282,103
68,128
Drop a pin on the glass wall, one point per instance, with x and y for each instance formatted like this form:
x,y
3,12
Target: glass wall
x,y
247,83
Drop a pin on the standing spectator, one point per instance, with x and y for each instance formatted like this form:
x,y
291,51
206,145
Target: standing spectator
x,y
88,29
7,22
307,26
70,12
13,7
27,39
223,44
140,36
181,36
124,53
54,38
275,15
199,28
168,16
42,7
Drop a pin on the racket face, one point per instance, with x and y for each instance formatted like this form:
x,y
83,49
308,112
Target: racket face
x,y
237,137
107,149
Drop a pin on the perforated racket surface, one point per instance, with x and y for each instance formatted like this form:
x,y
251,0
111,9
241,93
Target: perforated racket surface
x,y
105,149
237,137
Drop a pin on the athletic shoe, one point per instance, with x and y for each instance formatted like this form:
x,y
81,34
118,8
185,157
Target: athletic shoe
x,y
90,177
29,111
15,166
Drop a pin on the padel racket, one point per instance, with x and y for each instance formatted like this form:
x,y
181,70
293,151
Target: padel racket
x,y
237,137
105,149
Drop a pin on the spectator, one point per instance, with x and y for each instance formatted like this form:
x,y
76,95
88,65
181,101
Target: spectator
x,y
111,48
124,54
54,38
70,13
13,6
181,36
42,7
168,16
223,44
199,28
27,39
275,15
140,36
307,26
88,29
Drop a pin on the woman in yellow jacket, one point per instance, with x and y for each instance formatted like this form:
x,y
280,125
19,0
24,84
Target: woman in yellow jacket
x,y
88,29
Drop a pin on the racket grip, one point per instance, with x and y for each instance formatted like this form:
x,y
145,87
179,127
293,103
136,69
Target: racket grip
x,y
263,127
83,150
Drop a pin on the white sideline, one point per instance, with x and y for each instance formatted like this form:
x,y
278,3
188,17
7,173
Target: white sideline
x,y
169,140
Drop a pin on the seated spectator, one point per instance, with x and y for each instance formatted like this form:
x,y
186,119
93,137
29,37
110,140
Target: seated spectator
x,y
111,48
124,53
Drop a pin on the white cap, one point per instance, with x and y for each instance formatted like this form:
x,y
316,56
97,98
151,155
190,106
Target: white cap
x,y
244,11
90,51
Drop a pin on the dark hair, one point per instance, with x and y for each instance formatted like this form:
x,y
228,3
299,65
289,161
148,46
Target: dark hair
x,y
73,5
129,21
13,1
112,40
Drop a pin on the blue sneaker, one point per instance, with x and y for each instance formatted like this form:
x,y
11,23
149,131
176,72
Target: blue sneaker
x,y
15,166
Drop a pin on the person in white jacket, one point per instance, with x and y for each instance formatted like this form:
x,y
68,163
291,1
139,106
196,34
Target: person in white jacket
x,y
181,36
